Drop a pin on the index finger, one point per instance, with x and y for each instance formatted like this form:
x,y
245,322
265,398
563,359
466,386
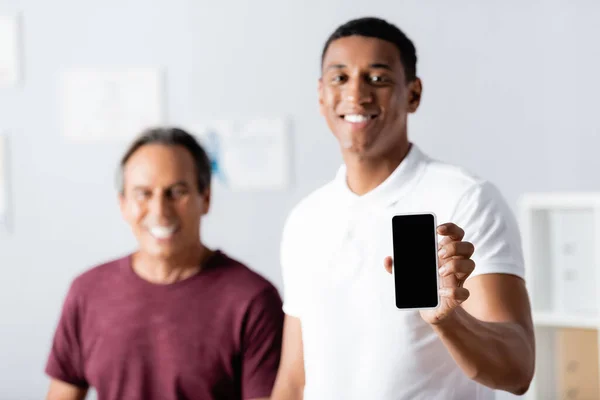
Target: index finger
x,y
454,231
388,263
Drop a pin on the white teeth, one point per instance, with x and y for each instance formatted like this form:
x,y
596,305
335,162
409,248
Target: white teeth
x,y
355,118
162,232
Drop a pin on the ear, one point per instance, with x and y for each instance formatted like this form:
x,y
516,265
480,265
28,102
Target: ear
x,y
206,196
321,97
123,206
415,91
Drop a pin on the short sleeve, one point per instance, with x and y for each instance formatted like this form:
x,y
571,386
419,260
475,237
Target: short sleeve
x,y
491,226
261,348
292,287
65,362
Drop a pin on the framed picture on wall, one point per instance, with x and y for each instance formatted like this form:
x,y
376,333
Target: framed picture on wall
x,y
10,64
110,104
4,209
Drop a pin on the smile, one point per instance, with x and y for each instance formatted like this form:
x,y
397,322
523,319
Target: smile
x,y
358,118
162,232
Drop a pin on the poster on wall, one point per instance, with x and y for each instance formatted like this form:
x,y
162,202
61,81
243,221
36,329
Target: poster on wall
x,y
3,183
9,51
248,155
108,104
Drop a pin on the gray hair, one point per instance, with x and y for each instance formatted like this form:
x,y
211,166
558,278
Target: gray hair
x,y
170,137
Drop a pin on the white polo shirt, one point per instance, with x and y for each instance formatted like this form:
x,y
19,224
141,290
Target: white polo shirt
x,y
357,344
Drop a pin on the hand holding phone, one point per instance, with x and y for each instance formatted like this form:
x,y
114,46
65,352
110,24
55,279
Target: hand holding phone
x,y
419,263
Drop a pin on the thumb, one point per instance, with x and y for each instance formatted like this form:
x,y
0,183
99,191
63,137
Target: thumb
x,y
388,263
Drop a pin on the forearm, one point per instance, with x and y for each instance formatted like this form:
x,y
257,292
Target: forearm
x,y
60,390
498,355
287,391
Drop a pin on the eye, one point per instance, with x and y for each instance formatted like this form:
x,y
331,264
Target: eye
x,y
142,195
177,192
339,78
378,79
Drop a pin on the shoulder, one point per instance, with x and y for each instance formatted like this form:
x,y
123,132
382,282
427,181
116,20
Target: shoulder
x,y
461,185
98,274
243,280
457,184
310,209
89,283
453,179
459,195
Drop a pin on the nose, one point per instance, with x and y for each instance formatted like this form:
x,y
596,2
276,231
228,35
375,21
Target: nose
x,y
358,92
160,206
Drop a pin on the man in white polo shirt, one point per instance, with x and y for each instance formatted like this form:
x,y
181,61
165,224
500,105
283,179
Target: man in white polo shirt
x,y
344,338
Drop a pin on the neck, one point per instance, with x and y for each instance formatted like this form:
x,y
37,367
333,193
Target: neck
x,y
171,269
366,173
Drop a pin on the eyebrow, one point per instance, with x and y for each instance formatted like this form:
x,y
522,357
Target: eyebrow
x,y
375,66
381,66
335,66
178,183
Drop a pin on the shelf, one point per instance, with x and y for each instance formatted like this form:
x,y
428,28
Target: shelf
x,y
549,319
561,248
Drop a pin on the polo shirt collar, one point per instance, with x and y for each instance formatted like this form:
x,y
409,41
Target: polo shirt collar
x,y
404,177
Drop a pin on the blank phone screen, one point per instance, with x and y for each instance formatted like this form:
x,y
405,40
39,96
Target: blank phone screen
x,y
415,261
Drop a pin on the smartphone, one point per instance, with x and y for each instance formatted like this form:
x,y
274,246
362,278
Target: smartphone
x,y
415,270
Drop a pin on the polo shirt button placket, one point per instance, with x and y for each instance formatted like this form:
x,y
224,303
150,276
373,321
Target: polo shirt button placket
x,y
350,250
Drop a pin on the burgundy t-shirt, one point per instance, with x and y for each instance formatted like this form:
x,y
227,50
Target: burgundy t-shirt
x,y
215,335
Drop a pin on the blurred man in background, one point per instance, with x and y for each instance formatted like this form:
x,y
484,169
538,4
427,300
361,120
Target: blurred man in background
x,y
343,336
174,320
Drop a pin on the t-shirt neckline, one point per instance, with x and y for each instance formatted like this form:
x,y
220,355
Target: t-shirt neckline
x,y
400,181
127,264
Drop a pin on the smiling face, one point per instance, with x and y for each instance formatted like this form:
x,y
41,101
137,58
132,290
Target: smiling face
x,y
364,95
161,201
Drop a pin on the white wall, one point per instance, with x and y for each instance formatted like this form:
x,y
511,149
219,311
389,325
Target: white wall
x,y
510,91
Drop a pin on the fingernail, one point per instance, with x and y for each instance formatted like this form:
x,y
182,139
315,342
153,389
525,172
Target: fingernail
x,y
443,270
442,252
444,292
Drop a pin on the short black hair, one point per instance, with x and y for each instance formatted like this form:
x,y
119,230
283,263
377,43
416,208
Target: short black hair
x,y
170,136
381,29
